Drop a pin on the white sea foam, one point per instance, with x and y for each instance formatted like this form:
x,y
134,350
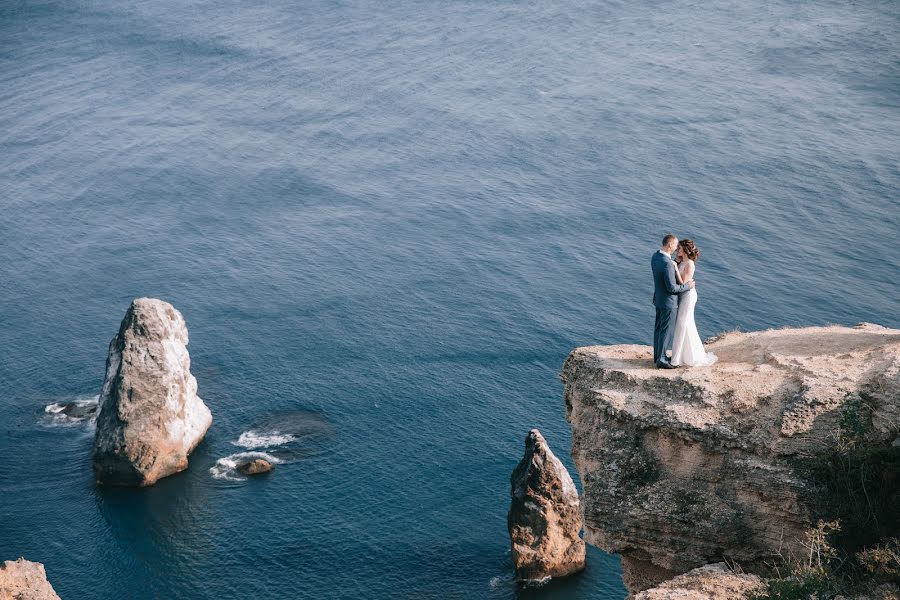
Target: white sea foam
x,y
74,412
500,581
253,440
533,583
226,468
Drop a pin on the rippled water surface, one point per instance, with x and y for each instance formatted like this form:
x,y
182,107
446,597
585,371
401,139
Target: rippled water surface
x,y
386,225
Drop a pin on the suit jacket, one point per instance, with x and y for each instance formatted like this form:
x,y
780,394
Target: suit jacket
x,y
666,287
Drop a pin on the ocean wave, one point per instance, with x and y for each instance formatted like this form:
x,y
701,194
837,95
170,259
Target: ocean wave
x,y
253,440
74,412
226,468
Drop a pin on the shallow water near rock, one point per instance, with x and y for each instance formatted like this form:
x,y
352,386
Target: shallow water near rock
x,y
401,218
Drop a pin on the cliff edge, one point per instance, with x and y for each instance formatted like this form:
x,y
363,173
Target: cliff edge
x,y
686,467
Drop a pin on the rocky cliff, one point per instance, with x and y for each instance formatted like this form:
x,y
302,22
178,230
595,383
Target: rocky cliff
x,y
25,580
709,582
150,417
686,467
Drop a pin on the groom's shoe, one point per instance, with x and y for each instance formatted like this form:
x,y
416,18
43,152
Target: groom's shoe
x,y
665,365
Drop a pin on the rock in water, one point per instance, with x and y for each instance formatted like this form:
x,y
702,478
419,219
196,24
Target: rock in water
x,y
544,517
150,417
685,467
255,467
78,411
25,580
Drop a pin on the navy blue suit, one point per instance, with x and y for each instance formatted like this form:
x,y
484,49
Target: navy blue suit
x,y
665,298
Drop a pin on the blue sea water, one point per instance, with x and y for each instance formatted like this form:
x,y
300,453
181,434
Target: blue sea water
x,y
386,225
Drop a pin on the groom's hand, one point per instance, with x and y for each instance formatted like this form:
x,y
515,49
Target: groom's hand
x,y
691,284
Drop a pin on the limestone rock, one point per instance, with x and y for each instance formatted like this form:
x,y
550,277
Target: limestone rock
x,y
25,580
709,582
684,467
150,417
544,517
255,467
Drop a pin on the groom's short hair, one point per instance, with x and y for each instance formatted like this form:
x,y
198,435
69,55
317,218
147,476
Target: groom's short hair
x,y
668,239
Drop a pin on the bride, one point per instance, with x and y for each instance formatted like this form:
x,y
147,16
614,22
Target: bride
x,y
687,349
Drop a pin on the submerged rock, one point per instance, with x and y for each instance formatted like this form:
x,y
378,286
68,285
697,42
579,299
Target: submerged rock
x,y
150,417
685,467
255,467
709,582
77,410
25,580
544,517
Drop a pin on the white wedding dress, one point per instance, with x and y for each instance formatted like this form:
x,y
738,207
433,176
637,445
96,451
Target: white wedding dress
x,y
687,349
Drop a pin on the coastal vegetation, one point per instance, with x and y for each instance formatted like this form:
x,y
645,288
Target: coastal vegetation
x,y
856,549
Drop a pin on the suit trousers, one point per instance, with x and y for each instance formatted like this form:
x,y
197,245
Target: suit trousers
x,y
663,332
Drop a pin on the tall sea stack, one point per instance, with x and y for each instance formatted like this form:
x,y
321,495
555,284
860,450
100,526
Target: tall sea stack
x,y
150,417
544,516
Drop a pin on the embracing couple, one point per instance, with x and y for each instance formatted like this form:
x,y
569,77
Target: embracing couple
x,y
675,298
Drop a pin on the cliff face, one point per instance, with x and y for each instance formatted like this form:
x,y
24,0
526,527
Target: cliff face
x,y
150,417
684,467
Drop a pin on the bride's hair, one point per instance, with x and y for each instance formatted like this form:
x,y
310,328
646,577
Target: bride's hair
x,y
690,248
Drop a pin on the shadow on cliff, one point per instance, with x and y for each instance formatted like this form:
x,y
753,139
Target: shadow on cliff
x,y
856,479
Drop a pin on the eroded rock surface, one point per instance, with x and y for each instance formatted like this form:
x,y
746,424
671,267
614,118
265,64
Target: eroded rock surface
x,y
681,468
255,467
709,582
25,580
150,417
544,517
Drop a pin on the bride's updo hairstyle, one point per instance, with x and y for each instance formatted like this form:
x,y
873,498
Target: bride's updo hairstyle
x,y
690,249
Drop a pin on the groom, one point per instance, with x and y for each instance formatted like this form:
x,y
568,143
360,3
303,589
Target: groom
x,y
665,298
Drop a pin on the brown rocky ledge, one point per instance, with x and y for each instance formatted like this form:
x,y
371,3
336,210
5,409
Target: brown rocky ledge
x,y
25,580
709,582
685,467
